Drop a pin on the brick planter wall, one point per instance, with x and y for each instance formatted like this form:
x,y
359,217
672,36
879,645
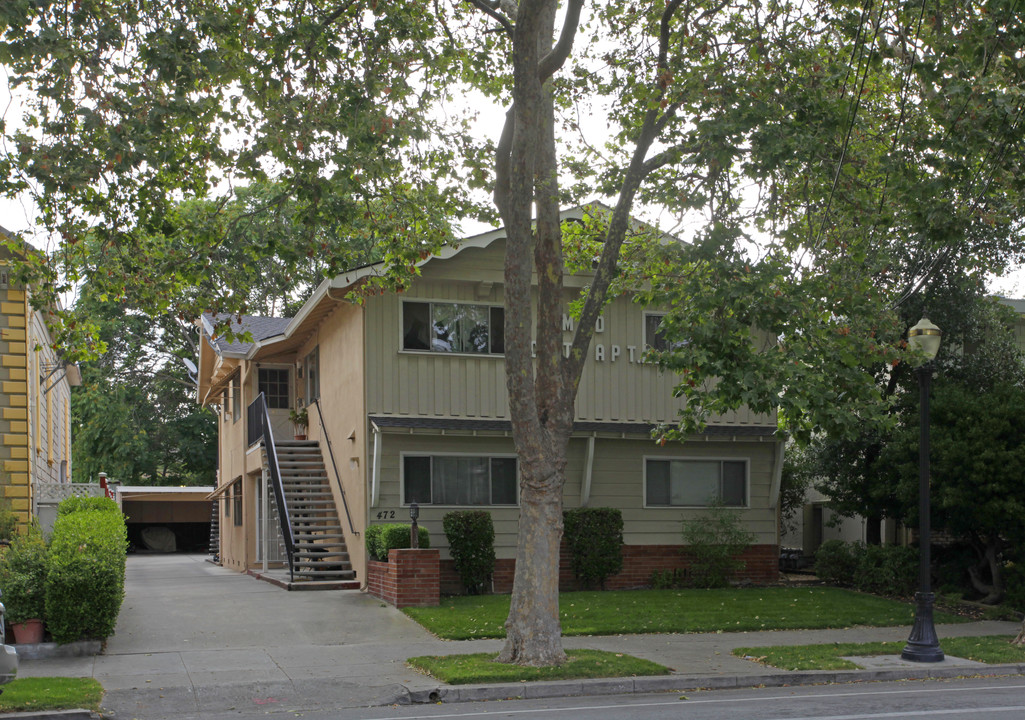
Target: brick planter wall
x,y
639,562
410,578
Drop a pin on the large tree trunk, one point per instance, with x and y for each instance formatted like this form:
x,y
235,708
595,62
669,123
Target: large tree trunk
x,y
988,551
533,629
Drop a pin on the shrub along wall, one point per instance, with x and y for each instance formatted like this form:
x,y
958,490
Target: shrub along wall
x,y
85,580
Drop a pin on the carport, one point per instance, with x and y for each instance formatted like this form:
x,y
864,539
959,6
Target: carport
x,y
166,519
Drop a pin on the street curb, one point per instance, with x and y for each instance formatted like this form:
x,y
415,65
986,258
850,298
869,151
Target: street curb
x,y
682,683
79,714
45,651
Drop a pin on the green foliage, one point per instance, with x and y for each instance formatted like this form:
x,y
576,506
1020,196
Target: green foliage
x,y
836,562
471,540
595,540
715,540
878,569
23,576
670,579
8,520
392,536
887,570
87,504
86,574
135,416
1014,586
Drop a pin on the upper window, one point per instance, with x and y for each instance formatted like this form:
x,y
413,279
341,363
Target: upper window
x,y
453,328
653,337
312,366
695,483
236,397
273,384
459,480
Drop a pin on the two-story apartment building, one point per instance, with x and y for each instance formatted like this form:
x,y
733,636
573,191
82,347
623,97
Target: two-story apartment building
x,y
35,403
407,403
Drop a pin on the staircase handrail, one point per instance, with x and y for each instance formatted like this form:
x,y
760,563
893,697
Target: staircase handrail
x,y
275,477
334,466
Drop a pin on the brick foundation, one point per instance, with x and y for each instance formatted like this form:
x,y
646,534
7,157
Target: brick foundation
x,y
639,563
410,578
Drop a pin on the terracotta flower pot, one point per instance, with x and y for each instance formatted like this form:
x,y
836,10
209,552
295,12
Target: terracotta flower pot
x,y
300,437
29,632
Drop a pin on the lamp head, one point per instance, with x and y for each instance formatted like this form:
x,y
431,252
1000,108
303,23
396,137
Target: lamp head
x,y
414,511
925,338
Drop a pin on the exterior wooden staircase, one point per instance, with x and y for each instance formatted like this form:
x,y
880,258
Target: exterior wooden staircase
x,y
320,552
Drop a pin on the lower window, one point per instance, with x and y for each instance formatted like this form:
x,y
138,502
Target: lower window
x,y
695,483
459,480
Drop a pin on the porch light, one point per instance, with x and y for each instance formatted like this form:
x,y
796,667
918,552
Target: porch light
x,y
414,511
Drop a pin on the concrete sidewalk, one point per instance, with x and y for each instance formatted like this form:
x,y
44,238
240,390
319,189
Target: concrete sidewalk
x,y
194,639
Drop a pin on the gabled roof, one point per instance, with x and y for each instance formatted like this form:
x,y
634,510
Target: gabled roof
x,y
261,329
268,331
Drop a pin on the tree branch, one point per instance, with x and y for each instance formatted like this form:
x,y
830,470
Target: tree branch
x,y
558,55
490,10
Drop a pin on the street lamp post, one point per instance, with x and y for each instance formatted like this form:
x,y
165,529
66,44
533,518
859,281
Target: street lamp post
x,y
923,645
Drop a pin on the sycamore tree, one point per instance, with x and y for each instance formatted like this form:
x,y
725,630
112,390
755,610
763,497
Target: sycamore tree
x,y
811,152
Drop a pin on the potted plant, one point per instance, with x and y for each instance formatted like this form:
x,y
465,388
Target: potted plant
x,y
22,581
300,418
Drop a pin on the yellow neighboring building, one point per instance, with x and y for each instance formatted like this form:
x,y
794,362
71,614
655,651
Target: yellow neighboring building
x,y
35,402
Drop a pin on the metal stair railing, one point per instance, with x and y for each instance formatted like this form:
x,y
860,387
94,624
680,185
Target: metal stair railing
x,y
334,467
259,408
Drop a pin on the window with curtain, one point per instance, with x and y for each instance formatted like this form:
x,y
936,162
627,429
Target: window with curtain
x,y
694,483
459,480
453,328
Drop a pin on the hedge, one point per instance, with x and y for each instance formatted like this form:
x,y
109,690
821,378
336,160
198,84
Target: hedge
x,y
880,569
595,540
83,504
85,580
395,536
471,540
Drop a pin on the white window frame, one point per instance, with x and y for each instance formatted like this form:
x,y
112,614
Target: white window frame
x,y
488,456
307,364
290,402
717,458
435,301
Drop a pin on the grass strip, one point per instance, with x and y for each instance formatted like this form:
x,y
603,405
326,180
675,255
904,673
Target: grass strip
x,y
51,693
677,611
992,649
481,668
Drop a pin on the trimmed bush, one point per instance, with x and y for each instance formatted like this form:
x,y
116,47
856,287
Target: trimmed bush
x,y
887,570
394,536
83,504
471,541
85,580
595,540
879,569
715,541
23,576
836,562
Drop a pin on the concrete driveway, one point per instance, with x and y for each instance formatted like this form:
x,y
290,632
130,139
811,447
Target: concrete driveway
x,y
194,638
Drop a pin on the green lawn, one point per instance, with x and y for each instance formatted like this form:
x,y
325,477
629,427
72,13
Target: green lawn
x,y
680,611
480,668
50,693
993,649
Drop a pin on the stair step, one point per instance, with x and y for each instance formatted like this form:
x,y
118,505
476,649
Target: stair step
x,y
346,574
